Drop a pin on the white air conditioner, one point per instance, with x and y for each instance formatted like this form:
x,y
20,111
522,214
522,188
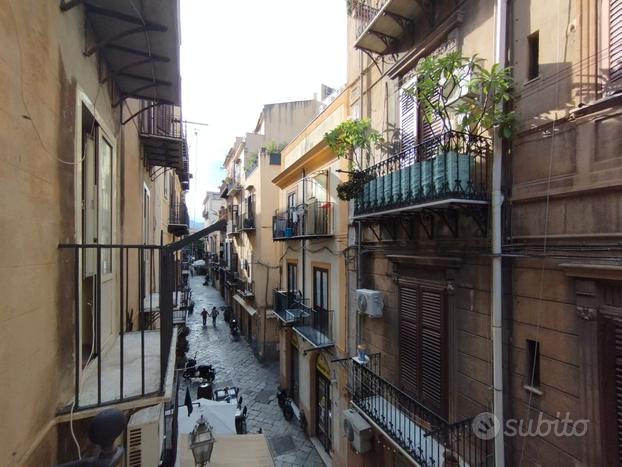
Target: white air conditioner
x,y
357,430
145,437
370,302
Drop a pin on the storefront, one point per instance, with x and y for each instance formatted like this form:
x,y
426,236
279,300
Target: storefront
x,y
323,418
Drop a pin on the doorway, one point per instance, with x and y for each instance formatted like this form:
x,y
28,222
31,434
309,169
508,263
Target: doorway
x,y
323,416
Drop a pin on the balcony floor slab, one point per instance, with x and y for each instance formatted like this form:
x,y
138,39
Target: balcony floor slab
x,y
132,374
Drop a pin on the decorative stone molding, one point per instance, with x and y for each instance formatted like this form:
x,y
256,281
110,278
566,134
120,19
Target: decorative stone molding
x,y
587,313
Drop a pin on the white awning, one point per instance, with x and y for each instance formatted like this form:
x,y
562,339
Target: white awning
x,y
249,309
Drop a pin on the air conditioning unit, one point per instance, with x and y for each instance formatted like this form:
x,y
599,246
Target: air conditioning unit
x,y
145,437
357,430
370,302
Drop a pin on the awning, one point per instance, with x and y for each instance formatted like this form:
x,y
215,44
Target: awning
x,y
231,451
249,309
140,42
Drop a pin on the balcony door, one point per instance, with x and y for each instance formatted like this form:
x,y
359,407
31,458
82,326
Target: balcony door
x,y
320,299
292,277
423,344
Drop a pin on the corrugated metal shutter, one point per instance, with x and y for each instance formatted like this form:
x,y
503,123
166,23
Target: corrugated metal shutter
x,y
423,355
615,40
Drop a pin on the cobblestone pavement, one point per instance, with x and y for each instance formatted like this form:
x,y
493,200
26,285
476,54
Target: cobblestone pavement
x,y
236,365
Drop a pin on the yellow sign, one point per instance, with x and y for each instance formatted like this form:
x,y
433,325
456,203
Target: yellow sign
x,y
322,366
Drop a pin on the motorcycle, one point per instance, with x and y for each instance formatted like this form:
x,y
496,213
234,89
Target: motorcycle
x,y
205,372
234,329
285,403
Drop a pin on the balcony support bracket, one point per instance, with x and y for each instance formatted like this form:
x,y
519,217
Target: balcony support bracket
x,y
479,214
407,228
450,219
426,220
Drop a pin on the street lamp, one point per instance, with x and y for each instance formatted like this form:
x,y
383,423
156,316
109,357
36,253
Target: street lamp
x,y
202,442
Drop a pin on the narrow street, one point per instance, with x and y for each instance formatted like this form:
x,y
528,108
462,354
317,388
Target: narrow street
x,y
236,366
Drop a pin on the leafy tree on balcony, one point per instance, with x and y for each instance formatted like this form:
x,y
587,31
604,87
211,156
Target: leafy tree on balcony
x,y
463,95
353,140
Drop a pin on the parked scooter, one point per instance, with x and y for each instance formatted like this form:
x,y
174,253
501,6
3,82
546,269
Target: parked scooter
x,y
234,329
205,372
285,403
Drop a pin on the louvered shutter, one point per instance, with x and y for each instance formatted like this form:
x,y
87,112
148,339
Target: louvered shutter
x,y
431,129
409,341
423,355
433,354
408,117
615,40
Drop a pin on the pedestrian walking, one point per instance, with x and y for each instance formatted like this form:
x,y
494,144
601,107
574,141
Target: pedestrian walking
x,y
214,315
204,316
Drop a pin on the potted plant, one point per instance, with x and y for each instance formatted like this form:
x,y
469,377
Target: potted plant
x,y
353,140
469,105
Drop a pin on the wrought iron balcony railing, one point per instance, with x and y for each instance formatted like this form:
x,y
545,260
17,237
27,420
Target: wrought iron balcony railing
x,y
315,326
427,437
121,284
179,220
287,306
306,221
161,133
448,169
247,222
246,289
364,12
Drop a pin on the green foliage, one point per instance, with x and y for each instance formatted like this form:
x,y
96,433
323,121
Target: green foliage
x,y
350,136
250,162
463,94
344,140
274,148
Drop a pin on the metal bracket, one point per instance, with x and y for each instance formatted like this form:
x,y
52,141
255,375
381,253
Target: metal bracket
x,y
450,218
378,237
480,217
409,232
135,114
426,220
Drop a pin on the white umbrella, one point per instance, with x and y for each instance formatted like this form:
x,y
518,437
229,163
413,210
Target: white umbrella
x,y
220,415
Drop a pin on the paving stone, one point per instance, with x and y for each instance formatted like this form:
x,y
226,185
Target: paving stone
x,y
236,365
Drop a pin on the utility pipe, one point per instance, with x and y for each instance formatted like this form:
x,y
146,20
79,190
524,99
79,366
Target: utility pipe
x,y
497,286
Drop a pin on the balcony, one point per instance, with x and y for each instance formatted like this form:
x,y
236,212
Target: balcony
x,y
162,136
428,438
120,355
314,220
246,289
451,169
381,24
232,279
287,306
247,220
178,219
235,219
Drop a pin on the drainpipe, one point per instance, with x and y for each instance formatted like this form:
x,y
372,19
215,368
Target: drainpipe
x,y
497,286
358,224
303,242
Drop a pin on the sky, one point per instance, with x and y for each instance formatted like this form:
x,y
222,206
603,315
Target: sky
x,y
236,56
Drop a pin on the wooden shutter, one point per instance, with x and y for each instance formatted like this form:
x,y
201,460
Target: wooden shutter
x,y
428,130
409,341
423,342
408,117
611,382
615,40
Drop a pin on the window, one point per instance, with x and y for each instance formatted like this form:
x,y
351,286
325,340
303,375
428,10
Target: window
x,y
105,202
292,277
275,158
321,319
615,40
408,112
533,363
423,344
533,60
